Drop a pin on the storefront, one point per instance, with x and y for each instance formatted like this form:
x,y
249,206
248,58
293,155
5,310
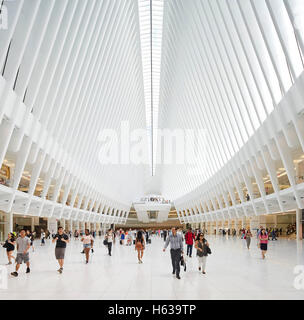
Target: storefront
x,y
4,175
3,225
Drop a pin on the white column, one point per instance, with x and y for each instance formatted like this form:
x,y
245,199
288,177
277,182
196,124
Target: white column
x,y
32,224
10,222
243,222
275,220
63,223
299,224
52,225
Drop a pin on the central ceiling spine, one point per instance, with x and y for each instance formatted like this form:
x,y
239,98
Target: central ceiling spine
x,y
151,27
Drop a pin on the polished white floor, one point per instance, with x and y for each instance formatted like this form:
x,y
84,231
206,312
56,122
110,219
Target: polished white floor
x,y
233,272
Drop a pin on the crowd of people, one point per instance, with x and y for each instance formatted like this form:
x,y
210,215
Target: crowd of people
x,y
175,237
291,228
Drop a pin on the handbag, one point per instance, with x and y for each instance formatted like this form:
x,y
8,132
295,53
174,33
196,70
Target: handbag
x,y
105,242
208,250
183,263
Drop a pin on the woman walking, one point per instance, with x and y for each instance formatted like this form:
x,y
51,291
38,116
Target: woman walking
x,y
263,237
87,241
140,245
248,237
201,245
9,245
109,238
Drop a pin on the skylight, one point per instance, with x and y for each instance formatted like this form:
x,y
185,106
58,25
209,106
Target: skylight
x,y
151,27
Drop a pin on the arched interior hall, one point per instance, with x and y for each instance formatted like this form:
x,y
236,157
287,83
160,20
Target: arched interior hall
x,y
155,114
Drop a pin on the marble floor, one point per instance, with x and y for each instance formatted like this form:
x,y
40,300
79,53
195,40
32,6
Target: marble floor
x,y
233,272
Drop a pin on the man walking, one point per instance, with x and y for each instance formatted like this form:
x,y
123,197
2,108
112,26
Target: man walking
x,y
177,249
189,242
61,240
23,246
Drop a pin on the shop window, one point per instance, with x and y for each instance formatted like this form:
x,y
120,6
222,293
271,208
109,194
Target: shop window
x,y
5,175
283,179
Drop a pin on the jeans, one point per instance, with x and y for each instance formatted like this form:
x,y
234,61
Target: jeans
x,y
175,258
202,262
248,241
189,249
110,247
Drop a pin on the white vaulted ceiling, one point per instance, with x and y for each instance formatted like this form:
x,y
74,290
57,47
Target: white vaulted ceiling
x,y
72,68
226,65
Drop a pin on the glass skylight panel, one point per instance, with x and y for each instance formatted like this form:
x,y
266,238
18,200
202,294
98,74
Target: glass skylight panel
x,y
151,43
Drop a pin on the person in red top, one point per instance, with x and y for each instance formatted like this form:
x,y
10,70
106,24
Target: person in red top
x,y
263,237
189,237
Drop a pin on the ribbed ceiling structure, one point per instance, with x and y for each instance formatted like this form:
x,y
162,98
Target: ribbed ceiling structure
x,y
72,71
226,64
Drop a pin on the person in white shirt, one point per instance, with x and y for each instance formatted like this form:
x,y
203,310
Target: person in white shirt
x,y
87,241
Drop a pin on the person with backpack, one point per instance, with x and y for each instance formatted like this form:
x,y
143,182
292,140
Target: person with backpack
x,y
140,245
190,237
202,247
9,245
109,238
122,237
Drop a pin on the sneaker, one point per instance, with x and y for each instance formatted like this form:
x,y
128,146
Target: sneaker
x,y
178,277
28,270
87,262
204,272
14,274
60,270
173,272
199,269
9,263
